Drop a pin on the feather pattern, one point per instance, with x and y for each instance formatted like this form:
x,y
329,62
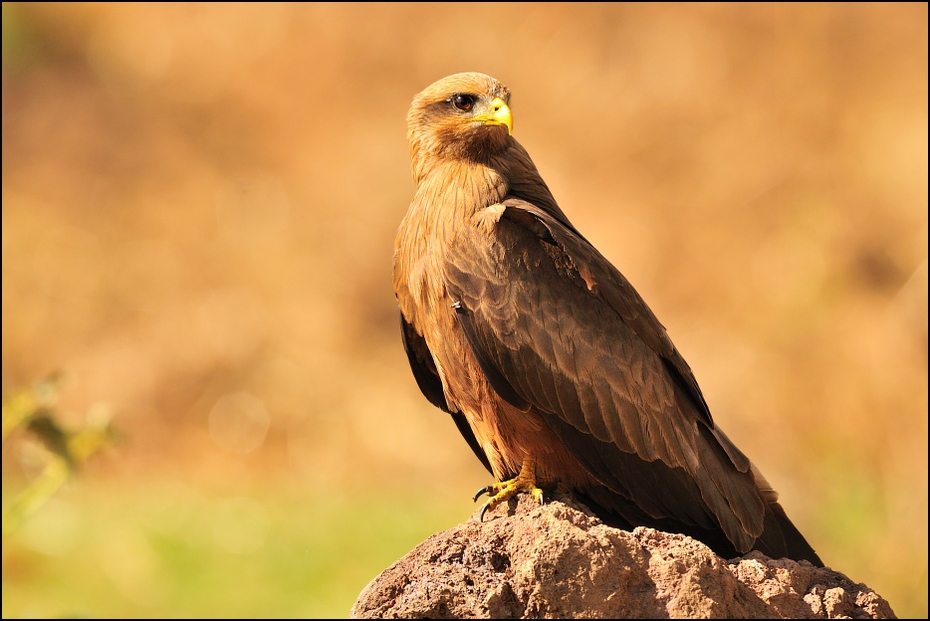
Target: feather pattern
x,y
538,346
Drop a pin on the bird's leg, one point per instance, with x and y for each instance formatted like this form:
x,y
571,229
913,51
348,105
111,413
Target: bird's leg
x,y
505,490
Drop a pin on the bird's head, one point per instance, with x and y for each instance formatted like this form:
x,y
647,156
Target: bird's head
x,y
462,116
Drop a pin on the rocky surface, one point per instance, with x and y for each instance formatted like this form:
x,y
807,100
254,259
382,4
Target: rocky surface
x,y
558,560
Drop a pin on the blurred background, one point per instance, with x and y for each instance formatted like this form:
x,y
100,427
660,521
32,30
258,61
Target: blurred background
x,y
199,207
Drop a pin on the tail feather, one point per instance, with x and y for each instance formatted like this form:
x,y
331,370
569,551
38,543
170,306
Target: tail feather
x,y
779,539
782,539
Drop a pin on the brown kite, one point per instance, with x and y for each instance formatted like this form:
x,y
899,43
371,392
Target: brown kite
x,y
551,365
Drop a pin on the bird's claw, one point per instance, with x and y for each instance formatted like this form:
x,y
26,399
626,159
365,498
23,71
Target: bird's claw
x,y
487,489
499,492
484,510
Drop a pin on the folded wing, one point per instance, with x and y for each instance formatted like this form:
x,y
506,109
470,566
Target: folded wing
x,y
555,326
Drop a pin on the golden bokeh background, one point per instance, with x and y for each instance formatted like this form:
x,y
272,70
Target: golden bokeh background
x,y
199,206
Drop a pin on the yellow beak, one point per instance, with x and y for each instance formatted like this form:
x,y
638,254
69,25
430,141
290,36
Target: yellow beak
x,y
500,115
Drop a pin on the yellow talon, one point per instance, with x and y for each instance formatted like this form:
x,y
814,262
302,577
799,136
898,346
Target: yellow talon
x,y
505,490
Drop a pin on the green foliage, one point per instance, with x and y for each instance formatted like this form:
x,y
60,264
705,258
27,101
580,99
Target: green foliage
x,y
33,410
162,548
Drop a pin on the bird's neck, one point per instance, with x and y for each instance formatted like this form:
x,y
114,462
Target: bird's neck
x,y
452,192
447,198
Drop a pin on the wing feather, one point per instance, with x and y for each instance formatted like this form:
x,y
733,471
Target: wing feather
x,y
424,371
557,328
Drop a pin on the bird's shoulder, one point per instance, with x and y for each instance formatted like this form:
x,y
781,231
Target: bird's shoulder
x,y
496,264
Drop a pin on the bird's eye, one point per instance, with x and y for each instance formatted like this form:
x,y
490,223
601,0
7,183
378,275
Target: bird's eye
x,y
463,102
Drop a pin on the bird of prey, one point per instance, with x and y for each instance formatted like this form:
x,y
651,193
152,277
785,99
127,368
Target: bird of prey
x,y
551,365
